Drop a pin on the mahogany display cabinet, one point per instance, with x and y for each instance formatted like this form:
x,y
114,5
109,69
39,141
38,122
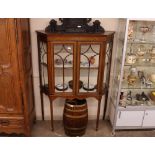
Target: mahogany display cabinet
x,y
73,65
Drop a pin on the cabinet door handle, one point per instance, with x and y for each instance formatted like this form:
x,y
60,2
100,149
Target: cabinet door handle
x,y
4,122
146,113
119,114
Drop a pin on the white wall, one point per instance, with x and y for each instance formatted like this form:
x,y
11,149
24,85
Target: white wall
x,y
40,24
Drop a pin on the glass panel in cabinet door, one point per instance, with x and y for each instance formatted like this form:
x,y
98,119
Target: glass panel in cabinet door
x,y
43,59
63,65
117,66
89,65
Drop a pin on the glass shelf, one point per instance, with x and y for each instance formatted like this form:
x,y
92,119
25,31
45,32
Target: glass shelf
x,y
135,102
141,64
83,67
136,41
70,90
137,85
70,66
146,61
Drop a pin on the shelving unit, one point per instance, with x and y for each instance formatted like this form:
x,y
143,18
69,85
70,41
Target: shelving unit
x,y
130,104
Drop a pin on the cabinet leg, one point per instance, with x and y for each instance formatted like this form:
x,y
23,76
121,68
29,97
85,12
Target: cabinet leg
x,y
42,105
51,109
105,105
98,114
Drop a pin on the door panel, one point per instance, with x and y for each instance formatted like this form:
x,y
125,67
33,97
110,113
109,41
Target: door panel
x,y
149,118
89,65
129,118
10,95
64,71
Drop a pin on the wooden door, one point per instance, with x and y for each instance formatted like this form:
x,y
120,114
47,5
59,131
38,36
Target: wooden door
x,y
10,94
25,61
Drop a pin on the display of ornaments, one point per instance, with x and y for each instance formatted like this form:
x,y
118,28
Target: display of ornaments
x,y
71,84
89,87
152,95
142,97
152,78
152,52
61,87
131,79
141,51
92,60
60,62
131,58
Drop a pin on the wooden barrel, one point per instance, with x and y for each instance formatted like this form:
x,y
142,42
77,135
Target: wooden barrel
x,y
75,117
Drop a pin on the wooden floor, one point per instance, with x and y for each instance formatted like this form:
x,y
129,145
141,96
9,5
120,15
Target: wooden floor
x,y
42,129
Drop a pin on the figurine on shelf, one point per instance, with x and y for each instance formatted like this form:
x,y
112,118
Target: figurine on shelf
x,y
143,80
52,26
84,64
92,60
97,26
141,51
152,52
140,74
142,97
152,95
152,77
131,58
58,62
122,96
144,29
129,97
130,31
132,79
148,83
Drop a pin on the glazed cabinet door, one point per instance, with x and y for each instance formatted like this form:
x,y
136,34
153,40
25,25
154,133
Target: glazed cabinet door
x,y
90,67
62,61
10,94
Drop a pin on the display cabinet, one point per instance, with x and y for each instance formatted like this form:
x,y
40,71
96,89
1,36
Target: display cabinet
x,y
72,65
132,92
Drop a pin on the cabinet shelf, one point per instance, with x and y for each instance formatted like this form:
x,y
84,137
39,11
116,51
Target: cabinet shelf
x,y
137,85
70,67
136,41
139,104
141,64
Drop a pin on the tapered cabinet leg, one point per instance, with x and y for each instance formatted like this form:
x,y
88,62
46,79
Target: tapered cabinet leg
x,y
98,114
51,110
42,105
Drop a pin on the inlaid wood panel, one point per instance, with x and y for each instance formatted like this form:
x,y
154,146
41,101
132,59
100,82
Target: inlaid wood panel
x,y
10,94
4,44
